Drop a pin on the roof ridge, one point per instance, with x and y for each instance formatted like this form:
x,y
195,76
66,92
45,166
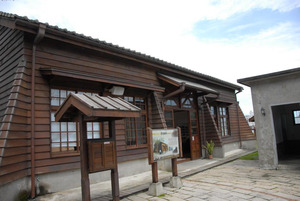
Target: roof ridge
x,y
125,50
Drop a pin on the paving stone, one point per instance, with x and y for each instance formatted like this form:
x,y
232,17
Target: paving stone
x,y
195,199
258,199
137,198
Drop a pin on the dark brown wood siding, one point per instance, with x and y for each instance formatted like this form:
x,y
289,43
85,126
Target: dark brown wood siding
x,y
157,115
11,50
246,132
14,107
71,58
211,129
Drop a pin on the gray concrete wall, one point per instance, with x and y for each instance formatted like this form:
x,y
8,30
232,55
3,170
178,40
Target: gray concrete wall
x,y
55,182
265,94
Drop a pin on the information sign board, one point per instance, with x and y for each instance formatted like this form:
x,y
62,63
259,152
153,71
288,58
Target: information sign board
x,y
164,143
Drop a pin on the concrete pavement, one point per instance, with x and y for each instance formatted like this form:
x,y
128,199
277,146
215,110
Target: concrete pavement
x,y
203,179
240,180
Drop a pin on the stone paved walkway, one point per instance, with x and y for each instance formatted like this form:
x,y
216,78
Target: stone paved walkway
x,y
238,180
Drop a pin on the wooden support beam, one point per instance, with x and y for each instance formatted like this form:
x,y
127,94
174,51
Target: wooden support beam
x,y
85,182
174,167
114,172
154,172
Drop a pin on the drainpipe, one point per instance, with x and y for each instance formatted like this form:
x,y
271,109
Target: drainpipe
x,y
40,35
238,116
180,90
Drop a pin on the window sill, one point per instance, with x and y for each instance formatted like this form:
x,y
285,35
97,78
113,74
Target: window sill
x,y
64,154
136,147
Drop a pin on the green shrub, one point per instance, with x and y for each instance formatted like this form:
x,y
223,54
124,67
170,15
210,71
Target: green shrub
x,y
209,147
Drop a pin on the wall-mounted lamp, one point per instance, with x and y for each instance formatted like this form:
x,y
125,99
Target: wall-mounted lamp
x,y
117,91
263,111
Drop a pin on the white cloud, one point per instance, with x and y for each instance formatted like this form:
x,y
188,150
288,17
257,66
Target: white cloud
x,y
164,29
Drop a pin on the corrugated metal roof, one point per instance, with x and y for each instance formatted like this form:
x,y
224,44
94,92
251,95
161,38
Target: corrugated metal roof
x,y
190,84
123,50
95,106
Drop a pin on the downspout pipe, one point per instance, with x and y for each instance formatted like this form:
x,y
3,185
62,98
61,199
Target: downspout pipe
x,y
178,91
238,116
40,35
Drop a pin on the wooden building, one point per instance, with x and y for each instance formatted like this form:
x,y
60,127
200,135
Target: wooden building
x,y
41,64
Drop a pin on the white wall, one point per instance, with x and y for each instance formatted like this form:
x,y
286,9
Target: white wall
x,y
265,94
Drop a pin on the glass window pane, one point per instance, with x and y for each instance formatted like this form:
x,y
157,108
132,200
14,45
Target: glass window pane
x,y
72,126
89,135
55,101
72,147
193,115
89,126
54,93
63,126
64,137
297,117
55,137
96,135
96,126
55,126
63,93
212,110
169,123
193,123
52,116
72,136
168,114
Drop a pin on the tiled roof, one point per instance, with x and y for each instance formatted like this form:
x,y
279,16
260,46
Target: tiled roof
x,y
123,50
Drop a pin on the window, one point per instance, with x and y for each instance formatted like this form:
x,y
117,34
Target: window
x,y
170,102
169,118
296,114
136,135
187,102
213,112
223,121
65,135
221,117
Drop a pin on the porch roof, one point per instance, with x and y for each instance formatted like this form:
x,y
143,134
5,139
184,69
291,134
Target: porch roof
x,y
177,82
95,108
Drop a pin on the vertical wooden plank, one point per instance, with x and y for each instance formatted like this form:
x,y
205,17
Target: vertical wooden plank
x,y
85,182
180,142
174,167
154,172
114,171
150,148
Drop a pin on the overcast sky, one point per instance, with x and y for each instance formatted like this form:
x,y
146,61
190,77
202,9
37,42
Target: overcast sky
x,y
226,39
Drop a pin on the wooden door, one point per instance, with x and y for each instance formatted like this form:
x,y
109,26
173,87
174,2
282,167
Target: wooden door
x,y
194,135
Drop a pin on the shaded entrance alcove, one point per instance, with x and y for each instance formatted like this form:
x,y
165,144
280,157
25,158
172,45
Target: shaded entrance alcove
x,y
287,131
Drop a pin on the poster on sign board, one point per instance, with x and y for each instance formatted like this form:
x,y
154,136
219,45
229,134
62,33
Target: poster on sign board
x,y
165,143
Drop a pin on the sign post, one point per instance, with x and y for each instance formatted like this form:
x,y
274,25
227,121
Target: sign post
x,y
164,144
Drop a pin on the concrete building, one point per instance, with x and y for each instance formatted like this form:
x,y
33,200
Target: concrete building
x,y
276,102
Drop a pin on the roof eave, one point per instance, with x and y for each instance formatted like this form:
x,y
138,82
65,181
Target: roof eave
x,y
31,26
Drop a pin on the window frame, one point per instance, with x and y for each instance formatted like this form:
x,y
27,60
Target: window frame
x,y
295,117
53,109
219,118
134,121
